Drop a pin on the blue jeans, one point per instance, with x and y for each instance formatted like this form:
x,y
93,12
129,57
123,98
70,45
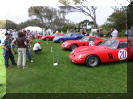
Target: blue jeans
x,y
28,53
8,54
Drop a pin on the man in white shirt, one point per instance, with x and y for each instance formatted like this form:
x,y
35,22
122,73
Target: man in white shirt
x,y
114,33
37,47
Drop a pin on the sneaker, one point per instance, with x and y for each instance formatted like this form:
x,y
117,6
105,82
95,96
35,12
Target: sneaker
x,y
31,61
14,64
24,67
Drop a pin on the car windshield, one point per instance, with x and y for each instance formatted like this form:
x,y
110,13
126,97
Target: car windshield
x,y
85,39
110,44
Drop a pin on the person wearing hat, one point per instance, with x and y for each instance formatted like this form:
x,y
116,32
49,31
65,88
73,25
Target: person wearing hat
x,y
6,50
37,47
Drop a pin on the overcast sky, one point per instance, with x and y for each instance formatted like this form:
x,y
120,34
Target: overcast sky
x,y
17,10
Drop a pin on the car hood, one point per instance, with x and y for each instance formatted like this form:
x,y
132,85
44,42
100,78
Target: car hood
x,y
90,49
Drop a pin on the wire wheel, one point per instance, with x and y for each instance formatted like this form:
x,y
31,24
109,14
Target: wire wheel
x,y
47,39
92,61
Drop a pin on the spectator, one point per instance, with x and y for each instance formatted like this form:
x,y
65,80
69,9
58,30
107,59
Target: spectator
x,y
15,34
129,32
83,32
37,48
28,53
114,33
21,44
99,33
13,49
6,51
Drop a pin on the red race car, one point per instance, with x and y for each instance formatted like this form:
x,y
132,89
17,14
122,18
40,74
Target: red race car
x,y
109,51
39,36
85,41
51,37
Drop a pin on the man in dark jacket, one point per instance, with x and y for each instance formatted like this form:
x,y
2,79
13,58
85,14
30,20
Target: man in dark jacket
x,y
6,51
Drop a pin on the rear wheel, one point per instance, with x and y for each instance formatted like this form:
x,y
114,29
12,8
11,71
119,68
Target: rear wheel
x,y
92,61
61,40
73,46
99,43
47,39
78,38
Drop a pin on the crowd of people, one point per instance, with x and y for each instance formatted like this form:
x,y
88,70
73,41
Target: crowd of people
x,y
113,33
22,41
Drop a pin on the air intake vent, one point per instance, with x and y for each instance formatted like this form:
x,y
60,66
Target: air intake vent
x,y
110,56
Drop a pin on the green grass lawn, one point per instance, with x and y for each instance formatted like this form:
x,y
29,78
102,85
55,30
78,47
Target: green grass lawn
x,y
2,75
43,77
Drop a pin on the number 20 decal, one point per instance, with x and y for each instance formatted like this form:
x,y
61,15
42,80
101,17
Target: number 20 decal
x,y
91,43
122,55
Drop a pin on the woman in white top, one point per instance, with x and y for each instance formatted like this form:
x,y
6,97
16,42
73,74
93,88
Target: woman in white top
x,y
114,33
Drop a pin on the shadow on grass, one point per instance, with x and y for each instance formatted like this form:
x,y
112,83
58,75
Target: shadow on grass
x,y
105,64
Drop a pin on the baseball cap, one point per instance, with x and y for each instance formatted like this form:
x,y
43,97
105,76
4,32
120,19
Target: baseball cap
x,y
38,42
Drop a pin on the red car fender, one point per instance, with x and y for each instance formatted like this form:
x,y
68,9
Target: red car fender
x,y
68,46
102,56
43,37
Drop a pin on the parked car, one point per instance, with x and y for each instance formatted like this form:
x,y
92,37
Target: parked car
x,y
39,36
85,41
68,36
51,37
111,50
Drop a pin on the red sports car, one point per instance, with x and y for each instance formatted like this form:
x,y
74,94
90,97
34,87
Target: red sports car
x,y
85,41
109,51
51,37
39,36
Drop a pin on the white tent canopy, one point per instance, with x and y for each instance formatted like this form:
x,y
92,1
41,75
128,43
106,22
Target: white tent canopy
x,y
33,28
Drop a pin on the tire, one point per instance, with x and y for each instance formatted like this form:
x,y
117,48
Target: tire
x,y
92,61
73,46
61,40
47,39
98,43
78,38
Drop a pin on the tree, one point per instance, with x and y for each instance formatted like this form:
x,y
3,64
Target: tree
x,y
10,25
130,15
86,23
39,13
48,16
118,19
68,27
2,24
88,11
32,22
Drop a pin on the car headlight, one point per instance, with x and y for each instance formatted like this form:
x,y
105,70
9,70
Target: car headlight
x,y
79,56
65,44
72,52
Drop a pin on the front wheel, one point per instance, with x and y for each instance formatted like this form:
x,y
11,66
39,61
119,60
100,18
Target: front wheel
x,y
92,61
73,46
78,38
61,40
47,39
